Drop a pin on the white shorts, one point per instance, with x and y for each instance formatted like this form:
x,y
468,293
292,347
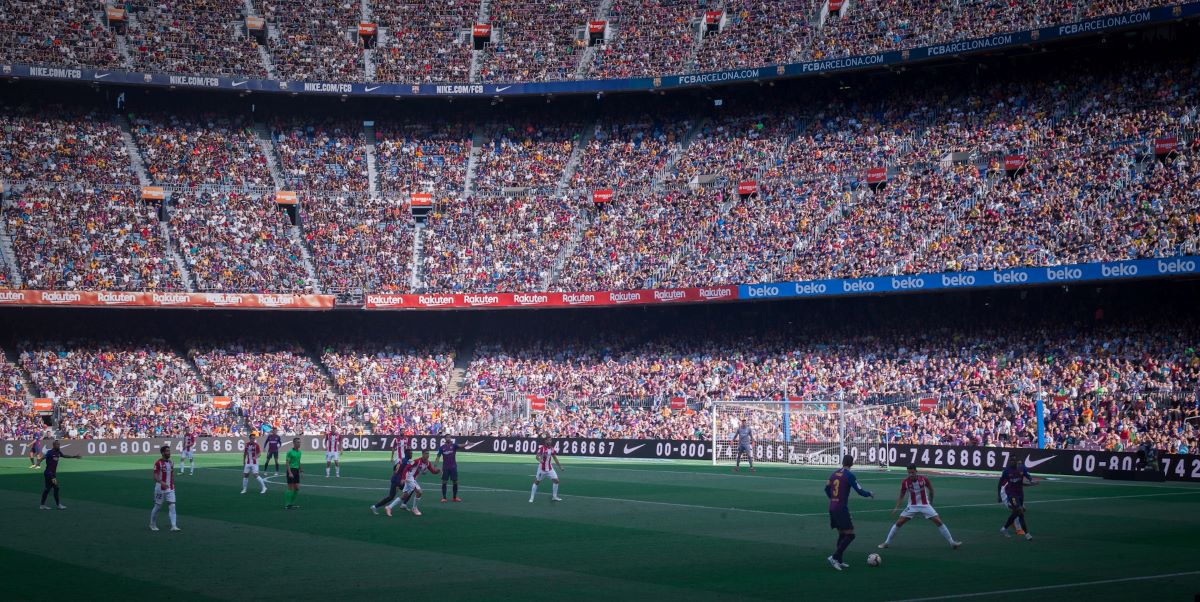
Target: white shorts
x,y
188,454
411,486
925,510
332,456
161,496
546,474
250,468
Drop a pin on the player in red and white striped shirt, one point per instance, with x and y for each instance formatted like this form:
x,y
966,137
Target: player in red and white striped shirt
x,y
547,462
919,492
399,449
409,474
189,452
164,488
333,452
250,460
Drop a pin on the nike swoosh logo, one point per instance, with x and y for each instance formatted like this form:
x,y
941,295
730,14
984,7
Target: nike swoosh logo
x,y
471,445
372,88
1032,463
629,450
502,88
102,75
238,83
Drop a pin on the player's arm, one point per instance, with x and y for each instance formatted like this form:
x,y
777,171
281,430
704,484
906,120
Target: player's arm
x,y
929,486
829,488
855,486
1028,477
557,464
1000,485
903,491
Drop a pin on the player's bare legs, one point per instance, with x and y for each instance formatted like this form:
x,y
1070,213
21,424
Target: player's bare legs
x,y
942,528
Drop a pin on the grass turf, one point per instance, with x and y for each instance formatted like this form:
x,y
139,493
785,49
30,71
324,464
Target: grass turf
x,y
627,530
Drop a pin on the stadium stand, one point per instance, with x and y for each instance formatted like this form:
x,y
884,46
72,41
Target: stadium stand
x,y
193,36
67,33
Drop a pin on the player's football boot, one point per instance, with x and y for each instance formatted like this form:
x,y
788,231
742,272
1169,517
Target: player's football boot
x,y
1020,532
388,510
153,527
374,510
882,546
176,529
833,563
1028,536
416,512
1004,532
45,507
456,499
956,545
62,507
443,500
556,499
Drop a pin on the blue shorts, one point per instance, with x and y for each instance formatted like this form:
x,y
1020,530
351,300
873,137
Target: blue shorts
x,y
450,474
840,519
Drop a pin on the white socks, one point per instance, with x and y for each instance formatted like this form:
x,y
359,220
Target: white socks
x,y
154,513
170,513
533,492
554,490
416,502
327,472
261,482
338,472
945,531
245,481
892,533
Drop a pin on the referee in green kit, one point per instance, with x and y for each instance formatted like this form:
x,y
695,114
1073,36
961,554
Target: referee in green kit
x,y
293,476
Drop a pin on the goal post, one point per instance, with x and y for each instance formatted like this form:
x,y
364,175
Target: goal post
x,y
807,432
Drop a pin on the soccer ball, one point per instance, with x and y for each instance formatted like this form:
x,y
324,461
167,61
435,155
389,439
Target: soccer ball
x,y
874,560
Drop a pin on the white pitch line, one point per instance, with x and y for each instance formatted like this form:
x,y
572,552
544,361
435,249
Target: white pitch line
x,y
748,510
1046,587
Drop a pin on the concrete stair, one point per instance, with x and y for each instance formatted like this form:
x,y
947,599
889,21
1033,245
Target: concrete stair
x,y
131,147
189,284
267,145
306,257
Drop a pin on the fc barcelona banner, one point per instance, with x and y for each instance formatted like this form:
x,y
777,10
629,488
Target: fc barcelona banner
x,y
1087,463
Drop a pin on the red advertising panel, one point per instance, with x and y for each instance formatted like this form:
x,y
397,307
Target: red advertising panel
x,y
712,17
366,29
137,299
927,404
153,193
835,5
255,23
1014,162
597,26
1166,146
876,175
286,197
221,402
43,404
482,30
602,195
536,404
678,403
115,13
421,199
748,187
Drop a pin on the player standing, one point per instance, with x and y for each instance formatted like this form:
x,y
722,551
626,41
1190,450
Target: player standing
x,y
294,471
919,492
35,450
838,491
411,486
274,442
1011,492
547,462
250,464
51,474
189,452
164,488
400,453
333,452
744,437
446,454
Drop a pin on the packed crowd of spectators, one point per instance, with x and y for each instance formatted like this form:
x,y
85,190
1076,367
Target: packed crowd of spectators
x,y
424,42
649,38
196,150
317,39
235,242
251,367
67,33
525,155
326,155
538,40
495,244
423,157
360,242
627,155
404,370
205,37
88,239
17,420
62,144
757,33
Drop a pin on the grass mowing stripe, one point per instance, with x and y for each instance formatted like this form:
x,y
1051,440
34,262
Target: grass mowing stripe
x,y
1049,587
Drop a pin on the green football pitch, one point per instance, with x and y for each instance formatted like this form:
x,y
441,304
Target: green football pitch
x,y
626,531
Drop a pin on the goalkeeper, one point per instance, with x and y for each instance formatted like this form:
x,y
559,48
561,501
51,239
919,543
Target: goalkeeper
x,y
744,438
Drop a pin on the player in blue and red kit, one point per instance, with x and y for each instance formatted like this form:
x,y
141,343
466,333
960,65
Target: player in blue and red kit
x,y
274,442
1011,492
446,455
838,491
51,474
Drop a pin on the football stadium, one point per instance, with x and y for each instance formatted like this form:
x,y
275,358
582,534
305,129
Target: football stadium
x,y
652,299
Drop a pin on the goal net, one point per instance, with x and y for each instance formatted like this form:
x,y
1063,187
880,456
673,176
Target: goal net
x,y
814,433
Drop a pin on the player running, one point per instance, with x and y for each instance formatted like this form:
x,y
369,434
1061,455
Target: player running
x,y
292,463
547,462
399,473
445,455
744,438
51,474
838,491
919,492
35,451
412,471
164,488
189,452
333,452
250,464
274,442
1011,492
